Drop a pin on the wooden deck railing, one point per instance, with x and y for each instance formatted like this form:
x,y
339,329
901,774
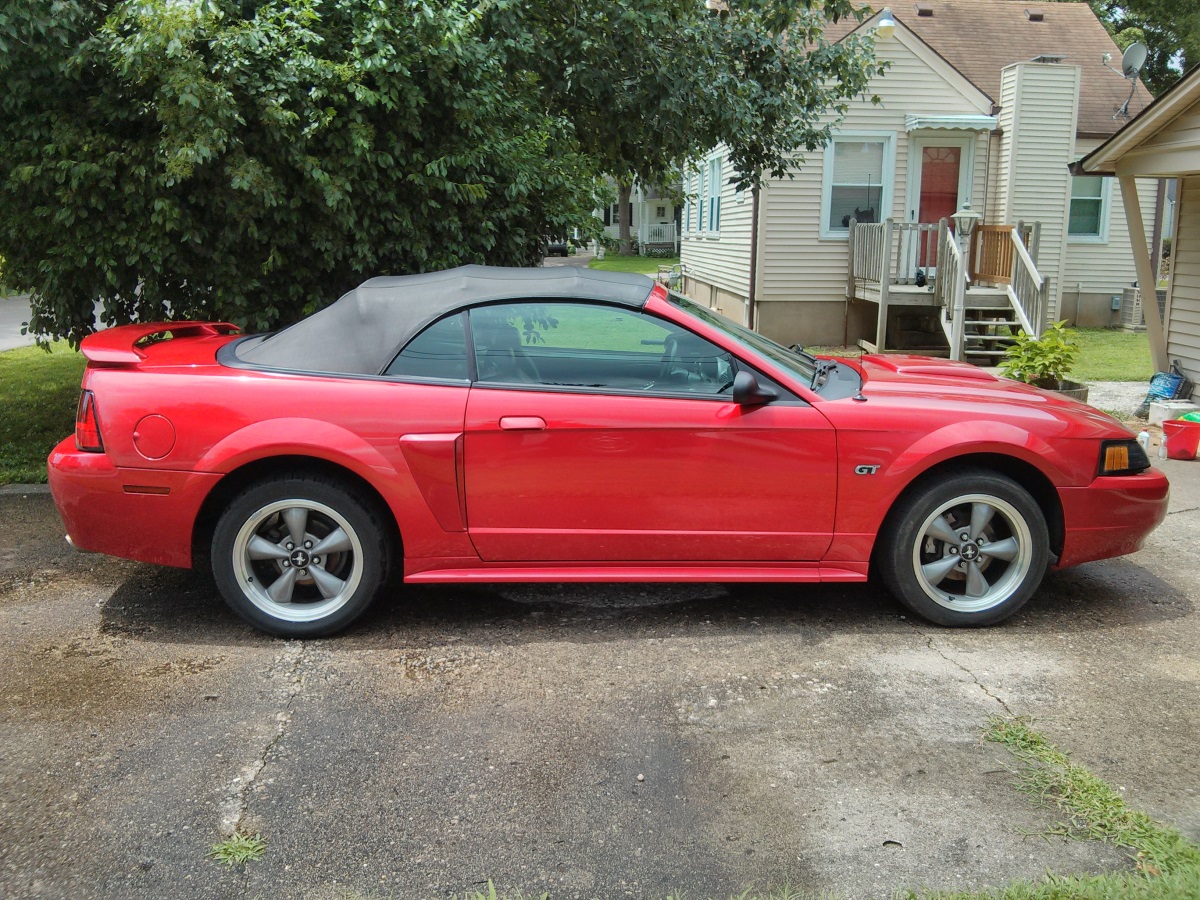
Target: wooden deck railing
x,y
992,251
883,255
950,289
1028,289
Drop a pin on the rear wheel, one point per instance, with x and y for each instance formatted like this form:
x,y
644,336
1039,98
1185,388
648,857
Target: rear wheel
x,y
966,551
300,555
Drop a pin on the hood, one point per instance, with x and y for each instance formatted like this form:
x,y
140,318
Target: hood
x,y
923,378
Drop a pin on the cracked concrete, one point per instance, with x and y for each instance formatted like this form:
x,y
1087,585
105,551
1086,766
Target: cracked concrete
x,y
983,687
604,740
286,667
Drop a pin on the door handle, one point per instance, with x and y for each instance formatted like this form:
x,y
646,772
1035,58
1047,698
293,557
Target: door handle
x,y
522,423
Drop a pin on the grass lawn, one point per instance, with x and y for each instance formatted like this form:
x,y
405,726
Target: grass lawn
x,y
38,395
1109,355
643,265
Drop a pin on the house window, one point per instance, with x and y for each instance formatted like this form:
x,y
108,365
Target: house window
x,y
858,176
1089,208
699,201
714,194
660,212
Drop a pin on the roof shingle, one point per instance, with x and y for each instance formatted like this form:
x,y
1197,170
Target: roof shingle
x,y
981,37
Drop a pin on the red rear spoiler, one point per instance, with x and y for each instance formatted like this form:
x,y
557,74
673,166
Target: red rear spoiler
x,y
123,345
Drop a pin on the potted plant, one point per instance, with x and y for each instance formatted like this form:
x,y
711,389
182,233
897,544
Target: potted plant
x,y
1046,361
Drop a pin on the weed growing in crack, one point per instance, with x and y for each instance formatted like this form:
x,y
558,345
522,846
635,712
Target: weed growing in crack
x,y
1094,811
239,849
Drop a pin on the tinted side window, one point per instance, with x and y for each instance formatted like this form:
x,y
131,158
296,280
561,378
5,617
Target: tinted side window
x,y
582,345
440,351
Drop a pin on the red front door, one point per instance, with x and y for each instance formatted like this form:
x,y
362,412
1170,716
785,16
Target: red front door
x,y
938,199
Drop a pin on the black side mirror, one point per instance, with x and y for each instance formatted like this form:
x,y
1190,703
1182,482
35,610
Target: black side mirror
x,y
748,392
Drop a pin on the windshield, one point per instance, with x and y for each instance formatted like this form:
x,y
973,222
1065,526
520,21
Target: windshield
x,y
799,363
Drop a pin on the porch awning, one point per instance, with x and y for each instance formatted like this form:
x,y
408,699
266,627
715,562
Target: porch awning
x,y
914,122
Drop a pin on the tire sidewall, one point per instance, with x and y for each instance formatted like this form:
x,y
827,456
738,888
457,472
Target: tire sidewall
x,y
348,503
903,530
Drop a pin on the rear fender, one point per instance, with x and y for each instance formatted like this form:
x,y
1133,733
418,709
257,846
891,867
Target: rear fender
x,y
298,437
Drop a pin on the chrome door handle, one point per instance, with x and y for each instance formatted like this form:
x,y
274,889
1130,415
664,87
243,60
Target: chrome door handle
x,y
522,423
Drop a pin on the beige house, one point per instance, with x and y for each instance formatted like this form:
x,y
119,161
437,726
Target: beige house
x,y
1164,142
985,102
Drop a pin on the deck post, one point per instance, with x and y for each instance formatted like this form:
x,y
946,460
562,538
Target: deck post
x,y
885,276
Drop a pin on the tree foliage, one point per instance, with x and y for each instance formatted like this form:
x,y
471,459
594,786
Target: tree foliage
x,y
1170,29
250,160
192,160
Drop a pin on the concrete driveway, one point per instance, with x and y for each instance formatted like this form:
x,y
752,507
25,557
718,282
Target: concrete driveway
x,y
582,740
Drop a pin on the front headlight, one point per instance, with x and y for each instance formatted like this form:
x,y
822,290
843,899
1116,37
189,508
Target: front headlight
x,y
1122,458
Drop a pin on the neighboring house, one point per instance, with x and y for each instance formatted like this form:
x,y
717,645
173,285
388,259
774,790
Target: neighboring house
x,y
984,102
1164,142
655,219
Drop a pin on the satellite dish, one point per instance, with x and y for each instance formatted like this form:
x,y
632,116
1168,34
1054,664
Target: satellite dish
x,y
1133,59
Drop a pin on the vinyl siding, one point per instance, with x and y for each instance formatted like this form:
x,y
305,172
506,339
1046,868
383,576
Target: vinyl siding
x,y
1183,331
1036,185
721,260
1107,267
1000,175
796,262
1184,131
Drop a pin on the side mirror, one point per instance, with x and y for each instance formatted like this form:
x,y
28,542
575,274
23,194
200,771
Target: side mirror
x,y
748,392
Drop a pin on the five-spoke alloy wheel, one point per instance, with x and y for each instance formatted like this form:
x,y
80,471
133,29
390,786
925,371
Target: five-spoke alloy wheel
x,y
300,556
969,550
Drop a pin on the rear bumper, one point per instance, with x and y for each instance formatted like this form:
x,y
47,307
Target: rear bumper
x,y
1111,516
142,514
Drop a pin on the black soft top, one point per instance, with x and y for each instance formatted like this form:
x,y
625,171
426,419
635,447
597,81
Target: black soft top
x,y
363,331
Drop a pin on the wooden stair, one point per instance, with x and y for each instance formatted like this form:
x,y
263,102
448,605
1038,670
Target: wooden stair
x,y
989,331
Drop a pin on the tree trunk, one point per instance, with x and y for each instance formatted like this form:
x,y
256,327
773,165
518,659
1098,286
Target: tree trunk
x,y
624,217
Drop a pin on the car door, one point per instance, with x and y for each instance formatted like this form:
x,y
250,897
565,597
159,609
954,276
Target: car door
x,y
602,433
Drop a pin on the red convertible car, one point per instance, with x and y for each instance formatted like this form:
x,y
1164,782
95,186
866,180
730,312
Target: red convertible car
x,y
491,425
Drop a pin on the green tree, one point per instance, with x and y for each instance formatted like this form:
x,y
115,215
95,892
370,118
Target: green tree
x,y
198,160
1170,29
250,160
652,84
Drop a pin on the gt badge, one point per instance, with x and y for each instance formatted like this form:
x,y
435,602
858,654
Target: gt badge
x,y
865,470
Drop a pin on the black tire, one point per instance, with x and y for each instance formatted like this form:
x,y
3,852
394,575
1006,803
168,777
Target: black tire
x,y
965,551
301,555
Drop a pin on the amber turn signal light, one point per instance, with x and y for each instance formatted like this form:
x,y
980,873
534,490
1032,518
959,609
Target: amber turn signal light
x,y
1122,458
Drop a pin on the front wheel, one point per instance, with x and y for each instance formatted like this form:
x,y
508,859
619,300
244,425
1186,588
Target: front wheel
x,y
966,551
299,555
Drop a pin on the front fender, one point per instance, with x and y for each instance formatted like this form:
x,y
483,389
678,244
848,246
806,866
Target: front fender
x,y
865,497
965,438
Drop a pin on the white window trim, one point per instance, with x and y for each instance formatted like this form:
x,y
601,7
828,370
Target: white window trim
x,y
1105,215
719,160
889,176
686,218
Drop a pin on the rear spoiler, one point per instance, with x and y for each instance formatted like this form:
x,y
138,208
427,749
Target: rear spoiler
x,y
124,345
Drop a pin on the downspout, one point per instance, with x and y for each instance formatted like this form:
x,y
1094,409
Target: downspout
x,y
751,306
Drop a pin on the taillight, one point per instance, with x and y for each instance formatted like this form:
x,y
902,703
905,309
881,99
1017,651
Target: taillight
x,y
87,426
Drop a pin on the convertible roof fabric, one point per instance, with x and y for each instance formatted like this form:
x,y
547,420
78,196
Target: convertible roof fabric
x,y
363,331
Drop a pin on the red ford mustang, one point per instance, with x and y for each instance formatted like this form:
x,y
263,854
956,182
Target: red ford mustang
x,y
562,424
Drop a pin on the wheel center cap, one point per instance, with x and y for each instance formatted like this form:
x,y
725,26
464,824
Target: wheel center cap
x,y
969,552
299,558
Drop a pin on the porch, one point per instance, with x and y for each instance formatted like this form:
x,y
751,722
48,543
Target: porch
x,y
935,300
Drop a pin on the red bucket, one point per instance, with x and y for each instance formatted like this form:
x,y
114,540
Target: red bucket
x,y
1182,438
